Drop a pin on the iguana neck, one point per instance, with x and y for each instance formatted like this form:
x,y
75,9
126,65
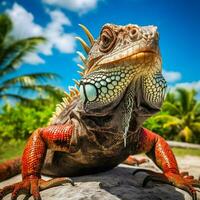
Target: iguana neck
x,y
121,120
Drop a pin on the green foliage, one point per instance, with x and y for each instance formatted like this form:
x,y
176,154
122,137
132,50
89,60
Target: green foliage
x,y
179,118
186,151
19,121
6,150
12,54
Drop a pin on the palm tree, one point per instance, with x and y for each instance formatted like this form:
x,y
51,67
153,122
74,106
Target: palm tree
x,y
182,115
12,53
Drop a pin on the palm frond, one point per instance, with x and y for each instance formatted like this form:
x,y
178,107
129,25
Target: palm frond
x,y
14,97
172,123
13,55
170,97
29,79
166,117
168,120
186,99
197,119
57,93
196,109
186,133
5,27
171,108
195,126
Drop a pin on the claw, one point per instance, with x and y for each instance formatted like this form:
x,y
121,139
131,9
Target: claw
x,y
32,187
183,180
6,190
134,161
184,173
54,182
35,189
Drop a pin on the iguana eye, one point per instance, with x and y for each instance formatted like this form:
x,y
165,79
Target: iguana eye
x,y
107,39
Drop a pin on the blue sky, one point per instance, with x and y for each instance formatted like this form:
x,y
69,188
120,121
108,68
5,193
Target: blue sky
x,y
178,23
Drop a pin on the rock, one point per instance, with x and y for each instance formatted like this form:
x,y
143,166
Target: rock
x,y
183,145
116,184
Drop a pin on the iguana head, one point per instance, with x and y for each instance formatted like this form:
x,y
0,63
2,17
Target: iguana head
x,y
122,56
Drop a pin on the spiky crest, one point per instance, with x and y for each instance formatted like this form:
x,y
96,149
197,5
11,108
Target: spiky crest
x,y
73,91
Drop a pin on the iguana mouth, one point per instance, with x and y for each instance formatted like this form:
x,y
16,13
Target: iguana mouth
x,y
105,84
133,58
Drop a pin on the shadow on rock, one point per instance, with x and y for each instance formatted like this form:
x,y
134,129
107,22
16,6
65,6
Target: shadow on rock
x,y
123,185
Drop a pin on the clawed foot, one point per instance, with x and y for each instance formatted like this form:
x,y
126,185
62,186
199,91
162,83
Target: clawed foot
x,y
134,161
183,180
32,186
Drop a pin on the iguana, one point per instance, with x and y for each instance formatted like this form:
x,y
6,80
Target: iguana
x,y
98,126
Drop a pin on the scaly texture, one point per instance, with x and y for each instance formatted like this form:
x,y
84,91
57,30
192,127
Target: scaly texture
x,y
100,125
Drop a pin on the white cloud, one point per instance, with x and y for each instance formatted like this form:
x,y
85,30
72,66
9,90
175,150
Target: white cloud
x,y
23,22
24,26
54,32
59,18
79,6
171,76
189,85
34,59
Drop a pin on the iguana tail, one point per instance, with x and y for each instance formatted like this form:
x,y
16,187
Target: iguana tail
x,y
10,168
